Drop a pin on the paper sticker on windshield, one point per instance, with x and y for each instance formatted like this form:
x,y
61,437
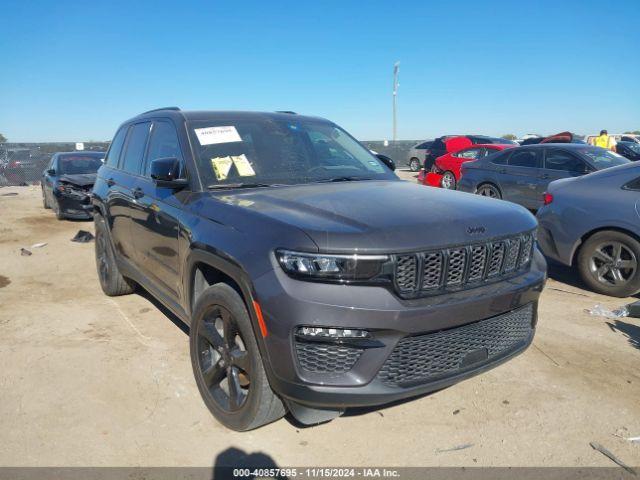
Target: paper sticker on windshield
x,y
243,166
221,167
213,135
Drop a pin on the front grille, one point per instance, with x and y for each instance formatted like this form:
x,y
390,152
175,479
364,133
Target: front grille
x,y
426,358
325,357
427,273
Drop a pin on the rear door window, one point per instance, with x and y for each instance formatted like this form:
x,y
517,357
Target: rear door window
x,y
564,161
113,155
525,158
136,143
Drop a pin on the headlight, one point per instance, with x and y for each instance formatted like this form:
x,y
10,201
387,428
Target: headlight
x,y
331,267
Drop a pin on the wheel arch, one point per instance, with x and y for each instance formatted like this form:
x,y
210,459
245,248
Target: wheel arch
x,y
204,268
578,245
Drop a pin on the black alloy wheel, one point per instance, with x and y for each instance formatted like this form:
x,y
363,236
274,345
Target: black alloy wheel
x,y
223,359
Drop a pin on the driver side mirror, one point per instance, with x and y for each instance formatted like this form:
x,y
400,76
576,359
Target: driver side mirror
x,y
51,172
388,161
165,172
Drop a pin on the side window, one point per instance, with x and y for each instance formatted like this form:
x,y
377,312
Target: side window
x,y
115,148
163,143
500,158
488,151
136,142
525,158
471,153
559,160
633,185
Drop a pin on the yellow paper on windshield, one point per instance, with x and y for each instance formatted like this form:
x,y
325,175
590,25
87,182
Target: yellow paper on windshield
x,y
221,167
243,166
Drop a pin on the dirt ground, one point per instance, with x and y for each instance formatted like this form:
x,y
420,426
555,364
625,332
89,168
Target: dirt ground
x,y
86,380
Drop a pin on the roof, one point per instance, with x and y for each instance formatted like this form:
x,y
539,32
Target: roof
x,y
562,145
81,152
195,115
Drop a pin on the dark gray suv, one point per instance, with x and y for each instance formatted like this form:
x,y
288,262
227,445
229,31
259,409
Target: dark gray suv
x,y
307,283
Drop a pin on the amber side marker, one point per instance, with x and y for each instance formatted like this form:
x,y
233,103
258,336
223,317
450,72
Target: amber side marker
x,y
263,326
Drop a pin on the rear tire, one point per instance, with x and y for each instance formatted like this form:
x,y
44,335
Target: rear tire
x,y
448,181
489,190
414,165
227,364
609,263
113,283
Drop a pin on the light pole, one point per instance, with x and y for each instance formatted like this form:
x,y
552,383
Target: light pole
x,y
396,70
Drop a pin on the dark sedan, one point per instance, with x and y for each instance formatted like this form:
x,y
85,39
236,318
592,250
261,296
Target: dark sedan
x,y
522,175
630,150
67,183
599,238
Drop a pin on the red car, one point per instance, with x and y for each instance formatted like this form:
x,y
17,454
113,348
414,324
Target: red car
x,y
445,172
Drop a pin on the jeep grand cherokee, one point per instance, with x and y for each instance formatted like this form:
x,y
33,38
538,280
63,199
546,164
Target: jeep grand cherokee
x,y
307,283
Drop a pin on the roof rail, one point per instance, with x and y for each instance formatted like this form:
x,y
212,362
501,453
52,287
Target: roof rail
x,y
160,109
286,111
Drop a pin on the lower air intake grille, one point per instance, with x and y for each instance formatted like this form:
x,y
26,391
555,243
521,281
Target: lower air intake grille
x,y
426,358
326,358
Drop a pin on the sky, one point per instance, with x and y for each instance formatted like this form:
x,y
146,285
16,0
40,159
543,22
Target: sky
x,y
74,70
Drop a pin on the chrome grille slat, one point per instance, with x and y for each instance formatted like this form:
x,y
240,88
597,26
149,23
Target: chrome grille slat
x,y
427,273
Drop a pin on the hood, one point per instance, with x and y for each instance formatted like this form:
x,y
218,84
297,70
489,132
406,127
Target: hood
x,y
80,179
383,216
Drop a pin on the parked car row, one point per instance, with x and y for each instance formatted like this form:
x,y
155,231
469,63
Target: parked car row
x,y
565,184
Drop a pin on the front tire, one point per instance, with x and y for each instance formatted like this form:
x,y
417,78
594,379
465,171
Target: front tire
x,y
113,283
609,263
227,363
45,202
414,165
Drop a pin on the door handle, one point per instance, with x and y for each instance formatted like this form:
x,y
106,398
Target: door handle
x,y
138,192
544,176
502,170
111,182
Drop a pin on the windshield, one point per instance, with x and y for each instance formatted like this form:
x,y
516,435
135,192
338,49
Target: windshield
x,y
601,158
78,164
264,150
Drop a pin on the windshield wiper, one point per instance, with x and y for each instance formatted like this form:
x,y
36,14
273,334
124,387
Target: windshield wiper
x,y
343,179
229,186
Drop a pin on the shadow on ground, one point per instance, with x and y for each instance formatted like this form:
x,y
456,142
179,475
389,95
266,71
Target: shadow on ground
x,y
234,458
629,330
168,313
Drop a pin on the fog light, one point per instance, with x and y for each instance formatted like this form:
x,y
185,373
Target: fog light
x,y
332,333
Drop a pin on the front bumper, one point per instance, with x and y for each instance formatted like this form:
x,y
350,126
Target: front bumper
x,y
338,377
75,205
